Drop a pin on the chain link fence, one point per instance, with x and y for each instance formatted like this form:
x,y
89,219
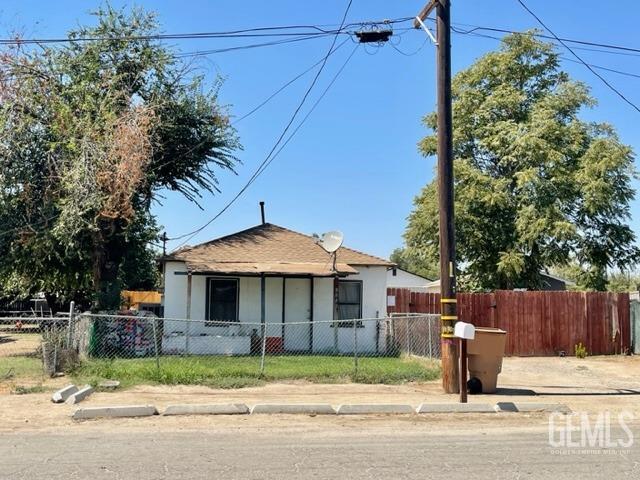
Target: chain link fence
x,y
32,346
141,347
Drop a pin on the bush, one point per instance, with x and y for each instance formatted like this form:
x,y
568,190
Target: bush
x,y
580,350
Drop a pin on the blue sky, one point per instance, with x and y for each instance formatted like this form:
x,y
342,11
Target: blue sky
x,y
354,165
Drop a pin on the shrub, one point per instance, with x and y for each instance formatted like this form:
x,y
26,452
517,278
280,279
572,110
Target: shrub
x,y
580,350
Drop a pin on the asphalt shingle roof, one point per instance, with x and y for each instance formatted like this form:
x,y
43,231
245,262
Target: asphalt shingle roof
x,y
269,248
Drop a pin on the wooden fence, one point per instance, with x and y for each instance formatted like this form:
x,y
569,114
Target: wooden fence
x,y
538,323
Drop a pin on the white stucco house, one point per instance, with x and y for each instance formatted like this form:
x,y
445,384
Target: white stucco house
x,y
231,286
398,278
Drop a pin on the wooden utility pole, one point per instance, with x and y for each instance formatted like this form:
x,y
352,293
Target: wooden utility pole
x,y
164,239
448,310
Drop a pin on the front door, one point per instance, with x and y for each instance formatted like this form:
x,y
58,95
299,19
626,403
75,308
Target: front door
x,y
297,314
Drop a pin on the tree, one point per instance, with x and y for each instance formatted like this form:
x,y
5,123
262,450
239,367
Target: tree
x,y
623,281
91,131
411,261
617,281
535,186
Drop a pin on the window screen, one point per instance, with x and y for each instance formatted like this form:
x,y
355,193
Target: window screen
x,y
349,302
222,304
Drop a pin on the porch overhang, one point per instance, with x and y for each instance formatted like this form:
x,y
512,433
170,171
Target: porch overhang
x,y
270,268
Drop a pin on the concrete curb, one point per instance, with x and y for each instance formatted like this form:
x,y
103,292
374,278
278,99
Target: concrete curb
x,y
531,407
109,384
293,408
210,409
115,412
456,408
374,409
63,394
80,395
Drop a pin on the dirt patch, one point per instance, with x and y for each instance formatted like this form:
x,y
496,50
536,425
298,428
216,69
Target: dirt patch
x,y
555,374
592,385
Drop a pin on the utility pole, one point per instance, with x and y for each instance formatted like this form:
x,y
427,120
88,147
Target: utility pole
x,y
448,307
164,239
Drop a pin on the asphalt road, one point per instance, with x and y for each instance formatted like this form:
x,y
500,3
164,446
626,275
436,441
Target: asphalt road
x,y
407,452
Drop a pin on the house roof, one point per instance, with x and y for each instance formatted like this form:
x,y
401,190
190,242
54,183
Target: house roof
x,y
270,249
413,274
543,275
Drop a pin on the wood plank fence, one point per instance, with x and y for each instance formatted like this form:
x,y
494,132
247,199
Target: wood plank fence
x,y
538,323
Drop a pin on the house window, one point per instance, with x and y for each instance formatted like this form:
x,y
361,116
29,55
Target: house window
x,y
222,301
349,302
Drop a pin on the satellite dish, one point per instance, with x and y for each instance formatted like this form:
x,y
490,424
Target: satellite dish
x,y
331,241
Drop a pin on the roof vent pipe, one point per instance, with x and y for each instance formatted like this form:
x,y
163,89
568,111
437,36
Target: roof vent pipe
x,y
262,212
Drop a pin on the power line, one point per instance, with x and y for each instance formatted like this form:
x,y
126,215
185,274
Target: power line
x,y
275,155
179,36
474,32
607,69
549,37
201,53
611,87
260,169
274,94
313,107
599,67
253,110
238,33
409,54
259,106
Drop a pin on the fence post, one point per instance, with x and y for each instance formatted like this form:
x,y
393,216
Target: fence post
x,y
355,347
186,338
264,347
71,324
188,329
406,335
155,342
430,339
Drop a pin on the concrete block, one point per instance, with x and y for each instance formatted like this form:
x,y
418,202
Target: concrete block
x,y
61,395
374,408
294,408
80,395
115,412
213,409
531,407
109,384
456,408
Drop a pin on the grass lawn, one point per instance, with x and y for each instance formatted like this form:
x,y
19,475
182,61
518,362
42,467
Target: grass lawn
x,y
236,372
21,375
20,367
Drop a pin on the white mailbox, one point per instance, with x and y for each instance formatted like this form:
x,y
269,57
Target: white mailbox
x,y
464,330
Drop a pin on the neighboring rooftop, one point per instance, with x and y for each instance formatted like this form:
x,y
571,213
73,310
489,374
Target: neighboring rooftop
x,y
270,249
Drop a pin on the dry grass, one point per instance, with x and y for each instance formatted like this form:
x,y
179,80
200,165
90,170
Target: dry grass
x,y
235,372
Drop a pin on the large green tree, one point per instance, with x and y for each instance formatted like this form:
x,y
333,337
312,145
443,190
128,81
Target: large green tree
x,y
412,261
90,131
535,186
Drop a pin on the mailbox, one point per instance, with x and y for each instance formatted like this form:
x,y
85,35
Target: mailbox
x,y
464,330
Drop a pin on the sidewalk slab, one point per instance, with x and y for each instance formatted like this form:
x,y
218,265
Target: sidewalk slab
x,y
80,395
374,409
115,412
294,408
63,394
531,407
456,408
211,409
